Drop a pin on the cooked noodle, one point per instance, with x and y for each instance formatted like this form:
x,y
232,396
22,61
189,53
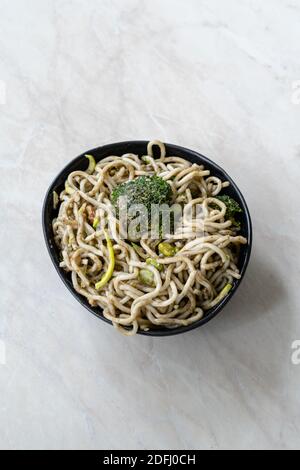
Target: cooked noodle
x,y
189,283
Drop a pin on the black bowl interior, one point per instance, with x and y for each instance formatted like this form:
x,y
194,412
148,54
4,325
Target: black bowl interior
x,y
139,147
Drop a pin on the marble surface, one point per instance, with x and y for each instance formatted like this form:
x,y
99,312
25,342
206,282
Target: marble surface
x,y
217,76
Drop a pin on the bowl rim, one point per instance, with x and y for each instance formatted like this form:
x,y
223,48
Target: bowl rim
x,y
204,160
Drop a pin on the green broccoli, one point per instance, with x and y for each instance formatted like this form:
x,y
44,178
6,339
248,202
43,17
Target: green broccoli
x,y
232,208
144,190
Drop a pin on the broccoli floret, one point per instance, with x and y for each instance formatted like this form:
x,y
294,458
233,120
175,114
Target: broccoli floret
x,y
232,208
145,190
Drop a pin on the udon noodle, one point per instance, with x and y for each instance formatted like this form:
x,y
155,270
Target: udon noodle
x,y
189,283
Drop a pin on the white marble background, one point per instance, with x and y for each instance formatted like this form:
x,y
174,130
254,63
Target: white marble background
x,y
213,75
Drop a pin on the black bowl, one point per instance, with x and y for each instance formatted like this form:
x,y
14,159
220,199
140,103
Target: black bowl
x,y
139,147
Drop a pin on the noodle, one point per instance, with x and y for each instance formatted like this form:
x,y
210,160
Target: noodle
x,y
185,285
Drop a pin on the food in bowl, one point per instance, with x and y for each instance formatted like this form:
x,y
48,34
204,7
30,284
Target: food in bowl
x,y
153,240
